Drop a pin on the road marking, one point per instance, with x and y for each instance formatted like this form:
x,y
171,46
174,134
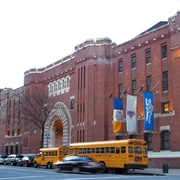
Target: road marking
x,y
22,177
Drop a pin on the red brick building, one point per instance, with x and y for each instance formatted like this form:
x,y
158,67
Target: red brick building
x,y
83,83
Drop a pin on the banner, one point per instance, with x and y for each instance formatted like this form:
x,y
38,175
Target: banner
x,y
131,121
148,111
118,116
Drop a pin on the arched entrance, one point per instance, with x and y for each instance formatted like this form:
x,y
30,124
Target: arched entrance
x,y
58,126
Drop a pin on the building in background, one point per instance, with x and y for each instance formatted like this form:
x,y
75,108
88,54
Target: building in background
x,y
83,85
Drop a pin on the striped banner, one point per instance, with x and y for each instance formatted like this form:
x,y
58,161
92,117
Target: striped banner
x,y
118,116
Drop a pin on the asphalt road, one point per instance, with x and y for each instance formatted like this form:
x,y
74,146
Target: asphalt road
x,y
30,173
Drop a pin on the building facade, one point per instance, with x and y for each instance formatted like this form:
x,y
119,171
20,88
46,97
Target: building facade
x,y
83,85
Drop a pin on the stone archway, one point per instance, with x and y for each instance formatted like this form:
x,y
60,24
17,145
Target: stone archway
x,y
59,119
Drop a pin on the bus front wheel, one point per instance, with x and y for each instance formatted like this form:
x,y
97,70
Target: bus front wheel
x,y
35,165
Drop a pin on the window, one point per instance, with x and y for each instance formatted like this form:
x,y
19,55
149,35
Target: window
x,y
148,139
132,136
165,144
80,151
120,90
16,149
120,66
165,81
84,150
112,149
7,150
102,150
18,132
72,104
107,149
97,150
130,150
148,83
133,59
59,85
164,51
68,82
11,149
13,132
134,87
123,149
88,150
148,56
55,87
165,107
117,150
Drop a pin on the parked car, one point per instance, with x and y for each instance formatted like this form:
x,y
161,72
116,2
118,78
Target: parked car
x,y
26,161
77,164
2,158
13,159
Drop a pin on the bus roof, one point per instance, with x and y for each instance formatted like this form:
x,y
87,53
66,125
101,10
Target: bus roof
x,y
53,148
123,141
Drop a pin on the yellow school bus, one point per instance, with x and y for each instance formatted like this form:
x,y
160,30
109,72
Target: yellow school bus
x,y
117,155
47,156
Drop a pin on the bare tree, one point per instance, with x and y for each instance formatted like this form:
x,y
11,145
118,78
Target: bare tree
x,y
35,108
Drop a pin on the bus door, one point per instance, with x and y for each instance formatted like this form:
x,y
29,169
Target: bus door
x,y
76,153
44,158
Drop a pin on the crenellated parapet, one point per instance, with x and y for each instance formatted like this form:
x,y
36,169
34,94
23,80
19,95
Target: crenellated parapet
x,y
174,27
94,42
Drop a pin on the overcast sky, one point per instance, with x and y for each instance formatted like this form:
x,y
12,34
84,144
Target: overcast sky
x,y
36,33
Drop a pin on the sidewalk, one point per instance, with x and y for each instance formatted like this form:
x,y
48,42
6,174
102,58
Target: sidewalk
x,y
156,171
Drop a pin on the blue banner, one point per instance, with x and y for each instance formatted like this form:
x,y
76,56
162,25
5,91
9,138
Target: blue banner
x,y
148,111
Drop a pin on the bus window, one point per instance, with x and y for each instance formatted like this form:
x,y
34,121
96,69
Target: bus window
x,y
144,151
60,153
112,149
53,153
117,150
84,150
50,153
97,150
47,153
93,150
123,149
137,150
130,150
80,150
102,150
107,149
88,150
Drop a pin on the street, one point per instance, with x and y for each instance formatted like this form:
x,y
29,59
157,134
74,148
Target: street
x,y
16,172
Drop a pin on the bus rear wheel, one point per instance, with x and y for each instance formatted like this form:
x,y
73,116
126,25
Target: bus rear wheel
x,y
49,166
103,167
